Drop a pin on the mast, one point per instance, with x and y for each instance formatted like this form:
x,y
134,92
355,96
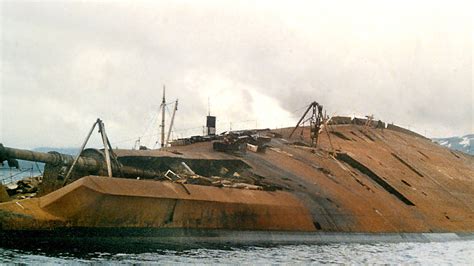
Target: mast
x,y
163,106
172,121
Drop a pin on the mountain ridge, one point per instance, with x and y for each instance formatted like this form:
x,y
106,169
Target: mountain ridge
x,y
463,143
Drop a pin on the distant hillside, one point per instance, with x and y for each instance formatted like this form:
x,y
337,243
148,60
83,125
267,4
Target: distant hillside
x,y
70,150
464,143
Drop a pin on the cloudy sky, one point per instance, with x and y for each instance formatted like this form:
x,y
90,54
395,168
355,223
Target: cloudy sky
x,y
258,63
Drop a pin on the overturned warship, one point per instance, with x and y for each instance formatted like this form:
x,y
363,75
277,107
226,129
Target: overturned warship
x,y
335,180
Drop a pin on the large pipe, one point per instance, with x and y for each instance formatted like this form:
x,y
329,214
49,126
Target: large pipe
x,y
89,164
53,158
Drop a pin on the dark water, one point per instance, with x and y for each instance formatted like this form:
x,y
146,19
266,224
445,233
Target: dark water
x,y
454,252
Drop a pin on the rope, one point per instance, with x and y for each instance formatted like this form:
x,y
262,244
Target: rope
x,y
37,166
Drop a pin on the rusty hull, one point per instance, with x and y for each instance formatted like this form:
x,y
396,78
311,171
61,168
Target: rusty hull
x,y
342,197
102,202
369,180
412,184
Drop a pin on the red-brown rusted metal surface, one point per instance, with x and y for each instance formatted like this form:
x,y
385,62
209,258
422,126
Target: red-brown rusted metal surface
x,y
97,202
438,181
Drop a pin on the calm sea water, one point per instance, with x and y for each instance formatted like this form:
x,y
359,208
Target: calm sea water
x,y
455,252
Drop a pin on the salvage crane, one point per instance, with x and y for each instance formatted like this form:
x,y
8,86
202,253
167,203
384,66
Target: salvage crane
x,y
315,121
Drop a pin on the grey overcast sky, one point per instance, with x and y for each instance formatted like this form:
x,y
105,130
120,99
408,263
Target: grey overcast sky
x,y
65,63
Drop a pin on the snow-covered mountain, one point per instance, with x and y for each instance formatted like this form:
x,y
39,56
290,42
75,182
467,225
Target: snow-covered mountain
x,y
464,143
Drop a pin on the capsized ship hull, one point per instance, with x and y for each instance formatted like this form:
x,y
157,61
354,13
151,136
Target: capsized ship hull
x,y
359,181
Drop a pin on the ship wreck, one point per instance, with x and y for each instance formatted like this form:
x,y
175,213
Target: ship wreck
x,y
338,179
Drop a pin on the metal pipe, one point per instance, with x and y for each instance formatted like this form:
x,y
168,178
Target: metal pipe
x,y
89,164
53,158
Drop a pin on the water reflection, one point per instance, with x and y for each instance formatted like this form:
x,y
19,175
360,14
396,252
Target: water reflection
x,y
456,252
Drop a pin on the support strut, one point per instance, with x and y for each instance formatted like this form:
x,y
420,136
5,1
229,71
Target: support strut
x,y
315,121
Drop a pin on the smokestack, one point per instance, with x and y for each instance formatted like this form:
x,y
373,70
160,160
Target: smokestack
x,y
211,125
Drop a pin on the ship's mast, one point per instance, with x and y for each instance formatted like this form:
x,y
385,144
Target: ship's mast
x,y
172,121
163,106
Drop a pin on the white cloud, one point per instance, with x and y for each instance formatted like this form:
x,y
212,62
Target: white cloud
x,y
63,64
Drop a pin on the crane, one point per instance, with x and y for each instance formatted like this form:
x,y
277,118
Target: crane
x,y
315,120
